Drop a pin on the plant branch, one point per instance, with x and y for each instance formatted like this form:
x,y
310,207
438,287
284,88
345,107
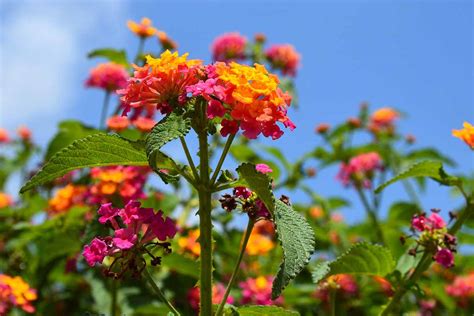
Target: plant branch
x,y
372,215
222,158
105,108
245,240
158,292
190,159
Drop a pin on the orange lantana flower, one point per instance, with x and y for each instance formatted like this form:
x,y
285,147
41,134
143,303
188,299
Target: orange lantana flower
x,y
466,134
142,29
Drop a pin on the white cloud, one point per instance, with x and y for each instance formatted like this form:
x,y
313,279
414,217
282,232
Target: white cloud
x,y
40,55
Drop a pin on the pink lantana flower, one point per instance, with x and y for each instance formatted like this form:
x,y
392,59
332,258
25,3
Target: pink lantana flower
x,y
263,168
124,238
445,257
95,252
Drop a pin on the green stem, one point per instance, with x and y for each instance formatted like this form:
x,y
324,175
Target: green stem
x,y
190,159
113,294
158,292
245,240
425,263
372,215
332,301
141,45
222,158
105,108
205,222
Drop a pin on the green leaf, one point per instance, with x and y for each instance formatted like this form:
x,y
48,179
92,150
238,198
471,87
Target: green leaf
x,y
402,212
362,258
93,151
113,55
298,242
258,182
431,169
259,310
69,131
430,153
169,128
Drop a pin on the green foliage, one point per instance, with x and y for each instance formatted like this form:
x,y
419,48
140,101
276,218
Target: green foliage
x,y
258,182
258,310
431,169
93,151
69,131
362,258
113,55
298,242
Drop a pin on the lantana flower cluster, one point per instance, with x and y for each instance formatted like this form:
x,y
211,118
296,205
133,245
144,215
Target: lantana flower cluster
x,y
126,182
118,123
240,96
360,170
433,234
65,198
189,243
23,132
466,134
137,231
258,291
284,57
5,200
229,47
344,284
108,76
15,292
462,289
383,121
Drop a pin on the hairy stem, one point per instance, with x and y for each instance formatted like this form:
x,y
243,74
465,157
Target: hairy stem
x,y
205,222
222,158
190,159
245,240
372,215
425,263
158,292
105,108
113,294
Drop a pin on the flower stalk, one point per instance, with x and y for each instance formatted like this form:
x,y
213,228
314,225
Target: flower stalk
x,y
158,292
245,240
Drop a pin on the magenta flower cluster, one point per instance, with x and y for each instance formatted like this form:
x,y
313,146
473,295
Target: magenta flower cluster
x,y
135,229
433,234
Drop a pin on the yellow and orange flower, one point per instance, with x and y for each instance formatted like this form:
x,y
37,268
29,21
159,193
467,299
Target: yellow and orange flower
x,y
466,134
65,198
15,292
190,243
383,120
259,244
142,29
161,81
5,200
316,212
255,100
166,42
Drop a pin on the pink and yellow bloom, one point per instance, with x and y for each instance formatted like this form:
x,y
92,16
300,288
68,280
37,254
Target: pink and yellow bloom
x,y
15,292
118,123
229,47
143,29
466,134
462,289
108,76
258,291
284,57
360,169
4,137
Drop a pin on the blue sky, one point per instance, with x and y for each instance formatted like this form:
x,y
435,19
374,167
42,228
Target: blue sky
x,y
415,56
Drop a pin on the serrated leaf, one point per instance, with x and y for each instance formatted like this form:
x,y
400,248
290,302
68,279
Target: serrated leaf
x,y
69,131
298,242
258,182
169,128
260,310
113,55
92,151
431,169
362,258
